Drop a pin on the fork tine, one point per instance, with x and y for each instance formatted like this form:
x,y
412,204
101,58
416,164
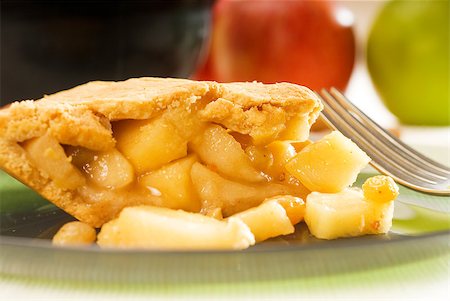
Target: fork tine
x,y
387,137
405,173
391,167
367,130
375,143
400,176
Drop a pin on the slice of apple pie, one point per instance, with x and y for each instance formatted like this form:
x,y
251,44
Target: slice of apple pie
x,y
236,151
102,146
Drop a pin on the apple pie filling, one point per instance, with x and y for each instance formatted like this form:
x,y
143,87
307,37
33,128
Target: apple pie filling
x,y
202,167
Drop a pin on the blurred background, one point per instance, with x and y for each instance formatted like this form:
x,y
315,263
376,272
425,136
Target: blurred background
x,y
391,57
48,46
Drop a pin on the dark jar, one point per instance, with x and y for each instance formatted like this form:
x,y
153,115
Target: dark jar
x,y
47,46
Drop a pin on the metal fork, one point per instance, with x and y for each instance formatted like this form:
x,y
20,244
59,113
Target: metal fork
x,y
389,155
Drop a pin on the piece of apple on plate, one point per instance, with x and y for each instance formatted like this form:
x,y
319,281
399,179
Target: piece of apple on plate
x,y
349,212
158,228
274,217
295,207
328,165
266,220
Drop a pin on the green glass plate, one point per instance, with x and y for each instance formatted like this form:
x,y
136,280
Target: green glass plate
x,y
28,222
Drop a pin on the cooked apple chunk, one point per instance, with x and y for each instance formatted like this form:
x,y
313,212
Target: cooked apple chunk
x,y
328,165
379,217
260,156
300,145
266,220
297,129
173,182
220,151
74,234
213,212
345,214
109,169
330,216
282,152
218,192
149,144
49,156
295,207
380,189
167,229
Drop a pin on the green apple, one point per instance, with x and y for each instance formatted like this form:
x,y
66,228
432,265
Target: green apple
x,y
408,59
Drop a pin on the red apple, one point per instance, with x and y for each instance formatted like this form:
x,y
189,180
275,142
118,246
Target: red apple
x,y
306,42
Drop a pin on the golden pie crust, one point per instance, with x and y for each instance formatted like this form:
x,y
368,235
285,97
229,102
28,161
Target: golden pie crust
x,y
82,116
